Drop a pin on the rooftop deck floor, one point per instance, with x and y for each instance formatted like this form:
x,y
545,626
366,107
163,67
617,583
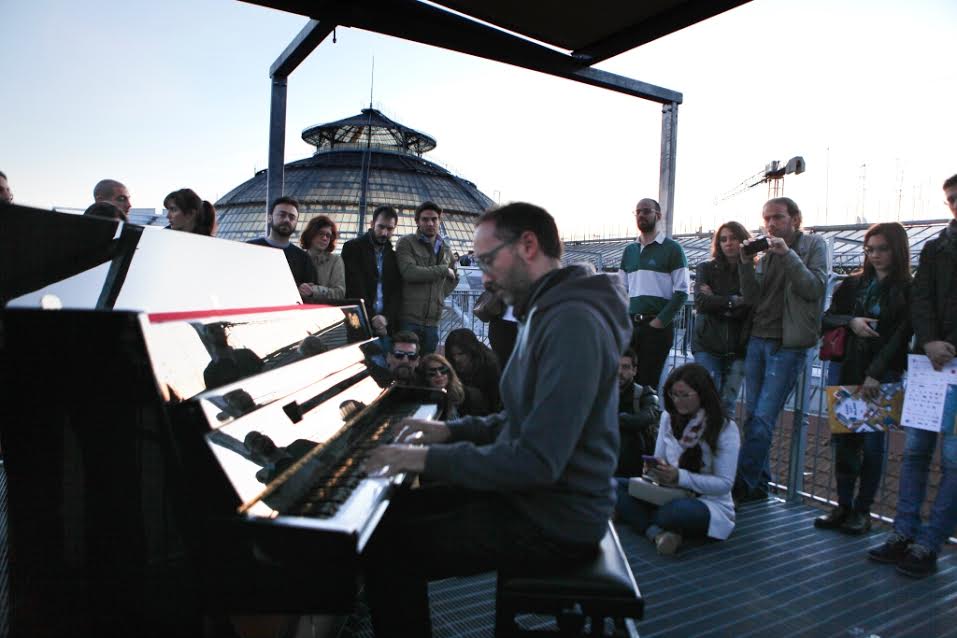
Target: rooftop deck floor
x,y
776,576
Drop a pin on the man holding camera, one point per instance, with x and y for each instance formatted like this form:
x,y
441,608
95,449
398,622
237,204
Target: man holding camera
x,y
786,288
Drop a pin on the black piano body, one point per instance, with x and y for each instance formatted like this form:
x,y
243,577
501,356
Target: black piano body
x,y
170,465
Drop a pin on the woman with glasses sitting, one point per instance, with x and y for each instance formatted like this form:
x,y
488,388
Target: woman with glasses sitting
x,y
438,373
696,450
319,240
873,305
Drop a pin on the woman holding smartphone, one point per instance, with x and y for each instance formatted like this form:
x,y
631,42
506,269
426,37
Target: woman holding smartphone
x,y
697,450
873,304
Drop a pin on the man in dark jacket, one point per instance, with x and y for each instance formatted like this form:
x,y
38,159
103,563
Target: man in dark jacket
x,y
282,224
372,273
531,484
638,414
913,546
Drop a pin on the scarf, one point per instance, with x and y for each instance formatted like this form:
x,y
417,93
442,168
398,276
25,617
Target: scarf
x,y
693,431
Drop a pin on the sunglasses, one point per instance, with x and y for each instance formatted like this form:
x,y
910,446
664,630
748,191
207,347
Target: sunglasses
x,y
411,356
434,372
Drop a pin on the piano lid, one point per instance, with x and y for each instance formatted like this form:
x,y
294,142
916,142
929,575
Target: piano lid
x,y
76,261
192,352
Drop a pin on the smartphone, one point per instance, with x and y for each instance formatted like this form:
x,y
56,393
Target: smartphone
x,y
756,246
649,458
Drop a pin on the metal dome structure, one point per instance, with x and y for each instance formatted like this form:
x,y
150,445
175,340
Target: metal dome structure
x,y
360,163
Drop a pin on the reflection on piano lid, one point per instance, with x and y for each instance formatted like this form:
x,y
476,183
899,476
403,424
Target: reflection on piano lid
x,y
196,351
75,261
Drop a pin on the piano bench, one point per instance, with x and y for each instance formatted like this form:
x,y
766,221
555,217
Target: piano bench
x,y
600,588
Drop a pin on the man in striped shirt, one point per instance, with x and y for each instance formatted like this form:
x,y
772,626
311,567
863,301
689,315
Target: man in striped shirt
x,y
655,271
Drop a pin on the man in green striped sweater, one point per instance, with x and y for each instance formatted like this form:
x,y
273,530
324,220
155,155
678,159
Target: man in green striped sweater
x,y
655,271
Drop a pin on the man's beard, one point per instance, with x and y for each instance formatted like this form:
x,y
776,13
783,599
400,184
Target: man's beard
x,y
514,286
403,372
646,226
283,230
382,241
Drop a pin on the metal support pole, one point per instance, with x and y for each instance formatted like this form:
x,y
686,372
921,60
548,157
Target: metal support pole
x,y
669,146
799,434
277,142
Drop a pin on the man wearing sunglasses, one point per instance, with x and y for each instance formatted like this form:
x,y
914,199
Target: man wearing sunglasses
x,y
403,358
531,485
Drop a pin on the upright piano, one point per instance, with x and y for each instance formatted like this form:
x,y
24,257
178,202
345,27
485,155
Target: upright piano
x,y
169,462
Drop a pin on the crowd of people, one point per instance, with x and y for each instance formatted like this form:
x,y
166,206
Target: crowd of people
x,y
540,446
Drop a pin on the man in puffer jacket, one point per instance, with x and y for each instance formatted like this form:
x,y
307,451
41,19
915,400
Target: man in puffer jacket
x,y
532,484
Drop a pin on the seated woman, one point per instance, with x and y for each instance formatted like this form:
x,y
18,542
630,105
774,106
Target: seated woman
x,y
438,373
188,212
697,450
477,366
319,240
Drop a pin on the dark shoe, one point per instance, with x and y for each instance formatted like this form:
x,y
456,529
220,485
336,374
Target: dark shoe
x,y
833,519
857,523
892,551
918,562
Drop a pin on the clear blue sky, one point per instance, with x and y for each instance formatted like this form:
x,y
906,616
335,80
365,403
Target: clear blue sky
x,y
164,95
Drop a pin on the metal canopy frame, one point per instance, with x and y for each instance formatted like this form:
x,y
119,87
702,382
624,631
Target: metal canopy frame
x,y
436,26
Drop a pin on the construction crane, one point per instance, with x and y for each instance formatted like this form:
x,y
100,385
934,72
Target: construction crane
x,y
772,175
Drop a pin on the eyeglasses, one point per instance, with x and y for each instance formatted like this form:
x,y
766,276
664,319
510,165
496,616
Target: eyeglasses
x,y
434,372
411,356
872,250
678,397
485,260
645,211
324,233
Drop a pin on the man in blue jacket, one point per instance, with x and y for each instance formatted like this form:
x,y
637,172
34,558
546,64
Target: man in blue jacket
x,y
531,484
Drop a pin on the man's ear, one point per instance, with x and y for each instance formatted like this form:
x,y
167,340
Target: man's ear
x,y
528,245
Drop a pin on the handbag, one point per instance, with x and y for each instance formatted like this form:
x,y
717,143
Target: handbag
x,y
488,306
833,343
646,490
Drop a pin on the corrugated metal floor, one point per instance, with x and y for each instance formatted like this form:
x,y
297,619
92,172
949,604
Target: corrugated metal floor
x,y
776,576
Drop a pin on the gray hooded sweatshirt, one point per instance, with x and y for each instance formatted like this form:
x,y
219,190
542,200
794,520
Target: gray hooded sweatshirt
x,y
554,447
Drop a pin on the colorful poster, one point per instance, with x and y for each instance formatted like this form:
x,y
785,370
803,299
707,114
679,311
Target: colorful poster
x,y
930,402
849,413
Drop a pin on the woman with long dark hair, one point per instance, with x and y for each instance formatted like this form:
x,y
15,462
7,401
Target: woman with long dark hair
x,y
721,325
477,366
187,211
319,240
697,450
873,304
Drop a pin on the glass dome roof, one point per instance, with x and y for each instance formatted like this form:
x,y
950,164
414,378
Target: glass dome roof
x,y
330,182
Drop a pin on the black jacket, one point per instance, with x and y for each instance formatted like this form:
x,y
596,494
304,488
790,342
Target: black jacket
x,y
934,310
638,415
719,329
358,257
300,265
871,357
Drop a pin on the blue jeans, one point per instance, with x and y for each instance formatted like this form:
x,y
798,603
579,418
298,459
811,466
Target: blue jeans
x,y
857,456
771,372
428,335
728,373
687,516
918,452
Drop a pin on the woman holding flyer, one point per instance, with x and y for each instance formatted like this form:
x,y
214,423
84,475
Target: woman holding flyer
x,y
873,306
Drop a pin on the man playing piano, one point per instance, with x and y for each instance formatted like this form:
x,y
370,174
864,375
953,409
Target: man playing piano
x,y
531,484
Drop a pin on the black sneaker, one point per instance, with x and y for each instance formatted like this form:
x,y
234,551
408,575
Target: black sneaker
x,y
857,523
918,562
833,519
892,551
